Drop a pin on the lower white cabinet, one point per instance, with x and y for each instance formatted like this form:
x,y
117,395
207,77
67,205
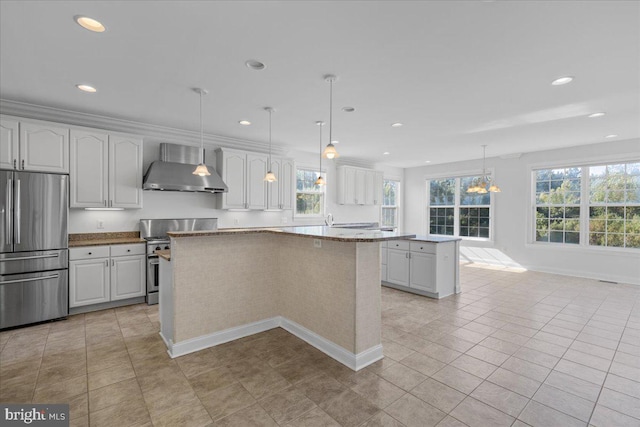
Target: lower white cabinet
x,y
99,274
426,268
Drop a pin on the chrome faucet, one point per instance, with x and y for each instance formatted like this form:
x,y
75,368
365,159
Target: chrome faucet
x,y
329,220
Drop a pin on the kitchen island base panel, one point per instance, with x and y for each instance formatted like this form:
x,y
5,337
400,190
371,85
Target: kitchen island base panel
x,y
224,287
347,358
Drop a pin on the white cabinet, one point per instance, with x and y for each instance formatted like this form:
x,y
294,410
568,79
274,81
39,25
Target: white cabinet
x,y
426,268
34,146
383,256
358,186
243,172
280,193
100,274
106,170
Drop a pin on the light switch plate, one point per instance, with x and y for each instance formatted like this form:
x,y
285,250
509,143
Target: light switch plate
x,y
317,243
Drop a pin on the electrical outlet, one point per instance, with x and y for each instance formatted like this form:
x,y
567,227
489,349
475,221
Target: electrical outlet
x,y
236,221
317,243
100,224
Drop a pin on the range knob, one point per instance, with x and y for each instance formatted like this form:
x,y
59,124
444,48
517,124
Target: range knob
x,y
167,247
158,248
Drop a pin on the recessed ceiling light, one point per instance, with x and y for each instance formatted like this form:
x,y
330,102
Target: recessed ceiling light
x,y
89,23
613,135
396,125
562,80
386,153
244,122
594,115
335,142
254,65
427,161
87,88
348,109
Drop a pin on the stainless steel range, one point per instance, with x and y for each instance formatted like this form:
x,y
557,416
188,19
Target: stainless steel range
x,y
154,231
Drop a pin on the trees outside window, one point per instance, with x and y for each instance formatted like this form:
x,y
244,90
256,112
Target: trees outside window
x,y
309,197
390,203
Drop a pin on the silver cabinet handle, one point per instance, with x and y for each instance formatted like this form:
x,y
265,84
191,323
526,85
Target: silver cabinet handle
x,y
32,257
8,211
31,279
154,262
17,239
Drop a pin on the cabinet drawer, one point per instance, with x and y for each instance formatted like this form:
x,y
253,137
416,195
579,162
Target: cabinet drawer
x,y
133,249
88,252
424,247
398,244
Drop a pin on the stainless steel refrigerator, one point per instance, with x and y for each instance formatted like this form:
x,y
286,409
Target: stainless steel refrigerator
x,y
34,259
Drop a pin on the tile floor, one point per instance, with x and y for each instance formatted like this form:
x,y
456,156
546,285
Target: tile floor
x,y
514,349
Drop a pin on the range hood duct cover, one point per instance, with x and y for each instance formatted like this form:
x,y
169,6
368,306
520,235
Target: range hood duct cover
x,y
174,172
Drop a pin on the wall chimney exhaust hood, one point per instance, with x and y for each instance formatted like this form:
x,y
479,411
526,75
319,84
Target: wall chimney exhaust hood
x,y
173,172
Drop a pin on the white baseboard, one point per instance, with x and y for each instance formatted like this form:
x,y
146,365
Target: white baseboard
x,y
221,337
347,358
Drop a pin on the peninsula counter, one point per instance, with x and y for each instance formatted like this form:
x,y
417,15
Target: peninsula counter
x,y
322,284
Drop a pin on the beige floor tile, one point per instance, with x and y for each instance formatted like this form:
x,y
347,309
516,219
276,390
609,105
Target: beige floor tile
x,y
587,360
264,383
411,411
114,394
394,350
112,375
505,400
626,371
537,357
474,366
321,388
487,354
573,385
526,368
620,402
449,421
623,385
225,401
349,408
605,417
131,413
423,364
628,359
564,402
211,380
314,418
379,391
438,395
514,382
593,350
192,415
477,414
580,371
59,391
441,353
457,379
538,415
287,405
382,419
403,377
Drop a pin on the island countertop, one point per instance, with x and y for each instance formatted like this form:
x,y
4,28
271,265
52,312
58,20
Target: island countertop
x,y
316,232
435,239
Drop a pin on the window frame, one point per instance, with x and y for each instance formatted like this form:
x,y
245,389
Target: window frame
x,y
398,204
489,172
585,203
323,194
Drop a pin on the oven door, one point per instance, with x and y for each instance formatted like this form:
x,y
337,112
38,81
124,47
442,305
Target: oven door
x,y
153,264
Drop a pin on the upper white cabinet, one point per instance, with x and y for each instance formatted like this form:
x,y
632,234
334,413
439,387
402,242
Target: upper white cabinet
x,y
280,193
33,146
358,186
106,170
244,172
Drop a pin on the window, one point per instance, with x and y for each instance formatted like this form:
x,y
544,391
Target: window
x,y
390,202
589,205
454,212
309,197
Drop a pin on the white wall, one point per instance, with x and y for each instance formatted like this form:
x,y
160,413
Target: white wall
x,y
512,214
163,204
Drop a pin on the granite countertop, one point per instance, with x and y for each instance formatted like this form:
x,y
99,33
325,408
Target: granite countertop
x,y
317,232
164,253
99,239
435,239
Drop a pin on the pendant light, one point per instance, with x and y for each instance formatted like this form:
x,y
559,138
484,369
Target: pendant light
x,y
270,176
330,150
201,169
481,187
320,181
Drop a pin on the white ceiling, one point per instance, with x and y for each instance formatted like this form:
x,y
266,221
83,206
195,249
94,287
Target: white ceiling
x,y
458,74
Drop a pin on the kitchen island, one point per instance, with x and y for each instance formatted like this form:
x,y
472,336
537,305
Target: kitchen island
x,y
322,284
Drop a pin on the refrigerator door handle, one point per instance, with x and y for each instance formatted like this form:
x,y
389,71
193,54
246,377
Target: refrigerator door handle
x,y
8,214
56,255
17,211
30,279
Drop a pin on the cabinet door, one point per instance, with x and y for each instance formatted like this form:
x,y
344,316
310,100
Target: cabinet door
x,y
378,183
8,144
361,177
398,267
256,185
422,271
88,282
89,174
44,148
125,172
287,183
273,188
127,277
234,174
369,188
349,186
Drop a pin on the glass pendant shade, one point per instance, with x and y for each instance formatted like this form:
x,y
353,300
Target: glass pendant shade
x,y
270,177
330,152
484,187
201,170
320,181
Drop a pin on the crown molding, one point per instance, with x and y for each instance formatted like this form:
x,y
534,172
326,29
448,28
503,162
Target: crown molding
x,y
147,131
